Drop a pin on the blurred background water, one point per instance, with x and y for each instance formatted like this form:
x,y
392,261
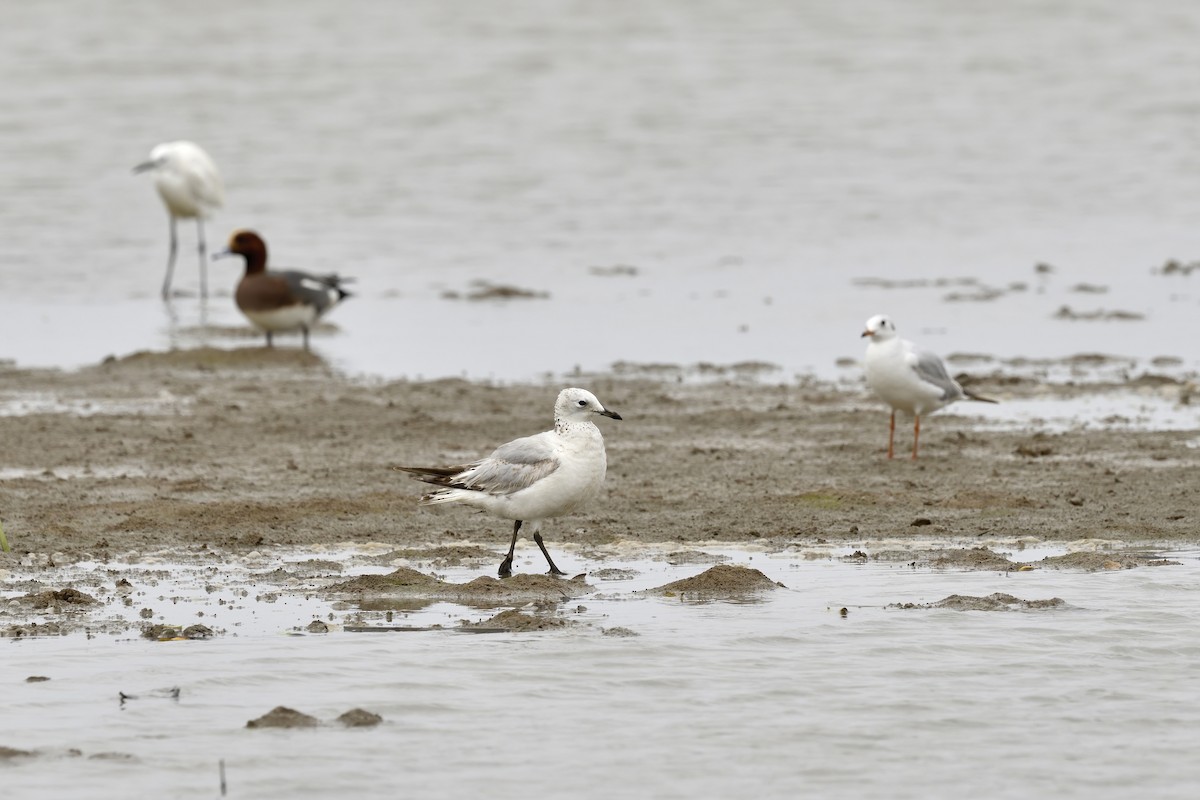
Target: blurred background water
x,y
753,164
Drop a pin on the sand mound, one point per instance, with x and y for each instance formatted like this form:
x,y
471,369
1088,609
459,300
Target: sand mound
x,y
283,717
408,584
979,558
59,599
514,620
723,580
1094,562
402,579
993,602
360,718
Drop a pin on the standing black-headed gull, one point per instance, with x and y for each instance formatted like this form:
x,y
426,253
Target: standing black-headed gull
x,y
280,300
191,188
908,379
534,478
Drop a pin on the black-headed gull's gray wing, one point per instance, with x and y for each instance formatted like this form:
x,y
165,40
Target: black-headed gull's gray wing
x,y
931,369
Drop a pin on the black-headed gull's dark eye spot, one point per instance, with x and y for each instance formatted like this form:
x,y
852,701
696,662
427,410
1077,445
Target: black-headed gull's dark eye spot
x,y
583,402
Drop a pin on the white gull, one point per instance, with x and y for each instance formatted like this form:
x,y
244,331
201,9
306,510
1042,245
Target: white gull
x,y
908,379
533,478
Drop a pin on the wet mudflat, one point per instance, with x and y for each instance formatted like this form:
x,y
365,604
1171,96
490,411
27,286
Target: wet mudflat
x,y
233,451
757,585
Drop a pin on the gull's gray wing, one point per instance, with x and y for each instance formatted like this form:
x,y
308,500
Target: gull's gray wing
x,y
510,468
930,368
321,291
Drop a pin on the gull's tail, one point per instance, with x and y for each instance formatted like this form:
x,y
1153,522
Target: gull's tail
x,y
438,476
978,398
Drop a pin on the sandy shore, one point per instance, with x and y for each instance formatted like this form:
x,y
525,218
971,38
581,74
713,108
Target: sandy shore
x,y
253,448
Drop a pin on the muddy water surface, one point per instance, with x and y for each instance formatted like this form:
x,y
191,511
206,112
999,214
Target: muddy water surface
x,y
829,682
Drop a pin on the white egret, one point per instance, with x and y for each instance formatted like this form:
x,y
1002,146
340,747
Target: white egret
x,y
191,188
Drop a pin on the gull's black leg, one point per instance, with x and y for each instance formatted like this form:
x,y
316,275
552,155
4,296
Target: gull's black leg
x,y
554,570
506,564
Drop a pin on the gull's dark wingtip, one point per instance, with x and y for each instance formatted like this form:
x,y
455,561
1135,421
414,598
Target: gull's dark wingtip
x,y
438,476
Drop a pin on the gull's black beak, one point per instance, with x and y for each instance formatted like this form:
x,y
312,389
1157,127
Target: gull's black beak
x,y
607,413
866,334
142,167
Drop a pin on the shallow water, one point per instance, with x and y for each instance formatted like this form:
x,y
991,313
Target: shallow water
x,y
779,697
757,169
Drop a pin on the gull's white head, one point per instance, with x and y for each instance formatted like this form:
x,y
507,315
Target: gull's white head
x,y
879,328
579,404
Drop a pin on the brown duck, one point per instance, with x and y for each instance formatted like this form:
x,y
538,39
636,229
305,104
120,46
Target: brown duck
x,y
279,301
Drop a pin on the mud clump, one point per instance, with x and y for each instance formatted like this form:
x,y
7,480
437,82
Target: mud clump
x,y
1067,313
7,753
283,717
1176,267
59,599
520,587
402,578
620,632
33,629
446,555
170,633
484,290
161,633
998,601
518,621
723,580
1097,562
613,574
359,718
678,557
409,584
198,632
976,558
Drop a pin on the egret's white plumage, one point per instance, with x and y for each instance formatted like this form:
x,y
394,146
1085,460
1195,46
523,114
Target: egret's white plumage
x,y
191,188
534,478
906,378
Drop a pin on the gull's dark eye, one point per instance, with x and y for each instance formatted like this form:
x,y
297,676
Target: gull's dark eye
x,y
583,402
